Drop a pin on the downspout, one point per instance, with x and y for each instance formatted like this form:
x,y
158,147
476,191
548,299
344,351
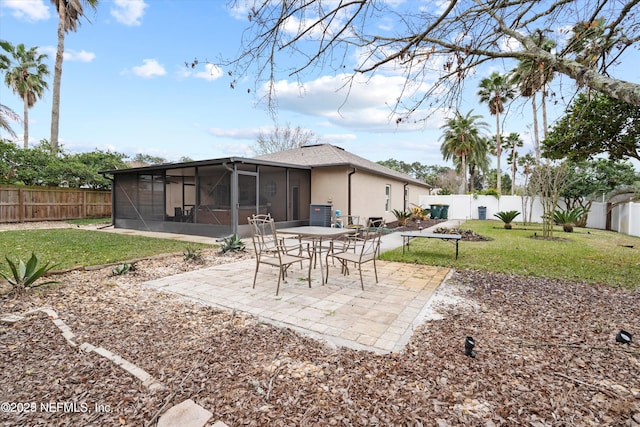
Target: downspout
x,y
349,191
404,196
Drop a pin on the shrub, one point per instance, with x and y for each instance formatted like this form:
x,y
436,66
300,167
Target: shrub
x,y
24,276
488,192
507,217
401,216
568,218
232,244
419,213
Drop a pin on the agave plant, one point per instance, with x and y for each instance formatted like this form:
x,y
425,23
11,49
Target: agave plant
x,y
401,216
568,218
232,244
193,254
24,276
507,217
124,268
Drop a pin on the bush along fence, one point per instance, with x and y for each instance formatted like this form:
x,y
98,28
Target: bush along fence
x,y
27,204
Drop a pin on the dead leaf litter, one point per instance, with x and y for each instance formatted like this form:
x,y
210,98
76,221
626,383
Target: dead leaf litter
x,y
545,355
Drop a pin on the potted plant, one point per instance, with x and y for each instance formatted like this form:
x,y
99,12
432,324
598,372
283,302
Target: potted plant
x,y
507,217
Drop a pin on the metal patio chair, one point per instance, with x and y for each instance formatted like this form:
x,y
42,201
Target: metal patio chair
x,y
271,250
358,250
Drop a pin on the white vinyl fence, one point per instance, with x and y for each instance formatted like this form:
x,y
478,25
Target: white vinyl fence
x,y
625,218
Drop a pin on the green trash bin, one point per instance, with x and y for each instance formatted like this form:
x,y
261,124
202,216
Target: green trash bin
x,y
444,212
435,211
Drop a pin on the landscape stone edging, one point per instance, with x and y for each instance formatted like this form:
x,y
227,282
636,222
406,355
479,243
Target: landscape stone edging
x,y
147,380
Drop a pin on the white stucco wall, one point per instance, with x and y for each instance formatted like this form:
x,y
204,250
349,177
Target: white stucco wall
x,y
331,185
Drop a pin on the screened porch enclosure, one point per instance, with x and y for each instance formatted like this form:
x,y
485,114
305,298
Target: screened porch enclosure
x,y
210,199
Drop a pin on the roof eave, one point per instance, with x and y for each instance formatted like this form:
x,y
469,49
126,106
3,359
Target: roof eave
x,y
196,163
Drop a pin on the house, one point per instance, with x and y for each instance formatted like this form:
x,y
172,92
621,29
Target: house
x,y
215,197
351,184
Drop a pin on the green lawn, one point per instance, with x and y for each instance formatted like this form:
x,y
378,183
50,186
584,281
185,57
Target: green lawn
x,y
594,256
76,247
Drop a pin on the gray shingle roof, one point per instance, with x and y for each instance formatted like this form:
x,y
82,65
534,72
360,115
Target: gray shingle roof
x,y
326,155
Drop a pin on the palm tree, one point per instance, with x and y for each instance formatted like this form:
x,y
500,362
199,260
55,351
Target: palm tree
x,y
531,77
496,90
589,43
25,74
479,161
462,135
69,14
512,142
8,115
527,162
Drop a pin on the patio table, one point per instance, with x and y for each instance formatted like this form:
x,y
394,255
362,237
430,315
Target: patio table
x,y
406,238
317,234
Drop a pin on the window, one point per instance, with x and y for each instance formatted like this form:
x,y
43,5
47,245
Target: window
x,y
387,198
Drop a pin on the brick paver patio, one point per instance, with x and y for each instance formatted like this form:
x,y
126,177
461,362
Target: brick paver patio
x,y
381,318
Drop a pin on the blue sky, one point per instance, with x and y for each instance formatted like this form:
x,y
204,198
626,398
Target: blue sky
x,y
125,88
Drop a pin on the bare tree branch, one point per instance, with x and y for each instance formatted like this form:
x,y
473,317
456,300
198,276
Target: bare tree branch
x,y
437,49
283,138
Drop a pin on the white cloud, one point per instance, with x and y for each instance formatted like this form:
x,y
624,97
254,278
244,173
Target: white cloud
x,y
367,106
81,56
337,138
235,149
129,12
295,26
562,35
212,72
237,133
28,10
240,11
69,54
149,68
509,44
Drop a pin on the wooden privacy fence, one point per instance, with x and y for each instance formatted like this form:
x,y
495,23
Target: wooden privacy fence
x,y
25,204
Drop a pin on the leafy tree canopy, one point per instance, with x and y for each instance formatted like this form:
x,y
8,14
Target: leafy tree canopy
x,y
148,160
593,178
429,174
595,125
505,182
39,166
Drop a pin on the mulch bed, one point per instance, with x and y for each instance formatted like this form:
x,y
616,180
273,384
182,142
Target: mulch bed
x,y
545,350
414,226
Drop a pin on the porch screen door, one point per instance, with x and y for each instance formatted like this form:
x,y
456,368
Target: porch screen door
x,y
247,196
